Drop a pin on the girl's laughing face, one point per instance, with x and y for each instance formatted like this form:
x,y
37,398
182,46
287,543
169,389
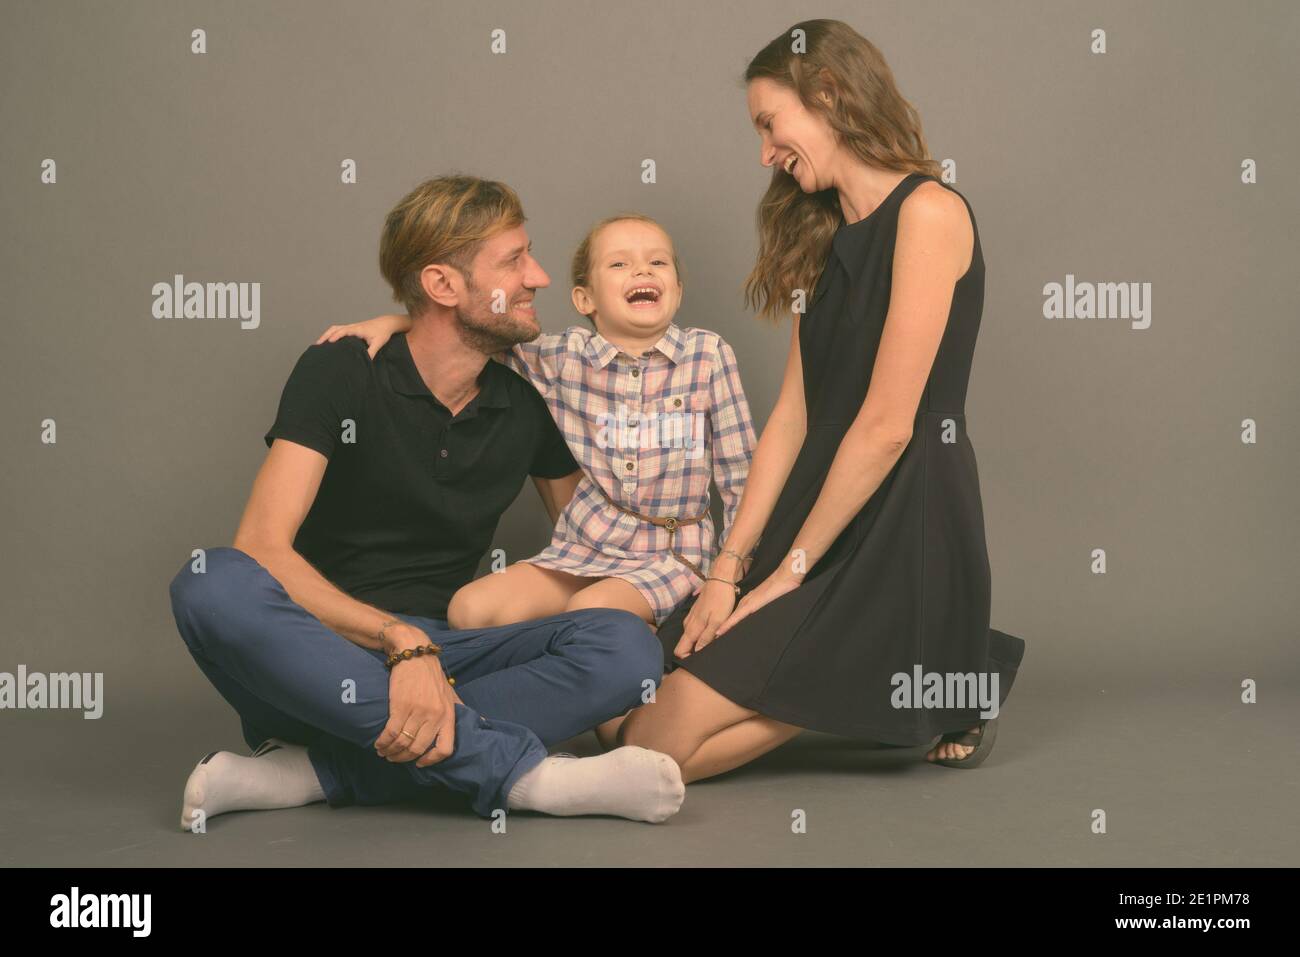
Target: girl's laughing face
x,y
635,290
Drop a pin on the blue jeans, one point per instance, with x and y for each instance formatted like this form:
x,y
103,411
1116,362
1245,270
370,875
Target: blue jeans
x,y
526,686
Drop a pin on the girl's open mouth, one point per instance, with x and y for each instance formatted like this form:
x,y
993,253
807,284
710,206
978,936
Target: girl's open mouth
x,y
643,297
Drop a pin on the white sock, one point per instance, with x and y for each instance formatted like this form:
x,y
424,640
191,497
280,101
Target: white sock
x,y
630,782
279,774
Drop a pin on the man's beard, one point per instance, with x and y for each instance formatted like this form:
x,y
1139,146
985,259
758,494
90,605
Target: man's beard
x,y
486,331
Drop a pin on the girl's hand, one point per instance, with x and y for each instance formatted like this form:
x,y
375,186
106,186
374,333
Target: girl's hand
x,y
375,331
711,608
773,587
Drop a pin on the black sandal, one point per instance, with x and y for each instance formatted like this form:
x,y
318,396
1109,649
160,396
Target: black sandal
x,y
981,740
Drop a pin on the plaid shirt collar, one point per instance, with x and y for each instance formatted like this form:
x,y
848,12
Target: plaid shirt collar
x,y
600,351
405,377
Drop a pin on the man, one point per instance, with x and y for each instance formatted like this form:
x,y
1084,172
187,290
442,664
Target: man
x,y
324,626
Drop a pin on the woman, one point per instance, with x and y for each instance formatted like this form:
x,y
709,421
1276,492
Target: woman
x,y
858,551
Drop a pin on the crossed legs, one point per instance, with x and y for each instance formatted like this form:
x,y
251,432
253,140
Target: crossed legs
x,y
541,681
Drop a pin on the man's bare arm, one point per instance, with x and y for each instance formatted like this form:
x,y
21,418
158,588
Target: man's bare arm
x,y
285,487
557,492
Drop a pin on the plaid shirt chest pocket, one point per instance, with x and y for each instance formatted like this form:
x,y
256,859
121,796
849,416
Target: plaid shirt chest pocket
x,y
682,431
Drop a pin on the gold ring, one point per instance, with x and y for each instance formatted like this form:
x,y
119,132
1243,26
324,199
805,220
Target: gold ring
x,y
409,735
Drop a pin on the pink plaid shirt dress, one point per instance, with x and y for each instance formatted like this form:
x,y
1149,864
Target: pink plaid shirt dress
x,y
652,430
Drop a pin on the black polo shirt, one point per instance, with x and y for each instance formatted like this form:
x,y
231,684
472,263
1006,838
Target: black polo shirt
x,y
411,497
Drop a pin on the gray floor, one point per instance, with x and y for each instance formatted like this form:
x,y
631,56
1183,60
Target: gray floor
x,y
1186,775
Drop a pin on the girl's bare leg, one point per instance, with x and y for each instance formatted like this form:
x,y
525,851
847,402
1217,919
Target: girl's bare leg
x,y
612,593
519,593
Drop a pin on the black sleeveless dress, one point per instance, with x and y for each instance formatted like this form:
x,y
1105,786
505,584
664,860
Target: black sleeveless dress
x,y
907,583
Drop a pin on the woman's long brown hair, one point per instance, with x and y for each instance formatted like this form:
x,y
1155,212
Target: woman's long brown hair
x,y
869,116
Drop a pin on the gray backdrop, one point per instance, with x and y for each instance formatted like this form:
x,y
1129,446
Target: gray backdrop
x,y
1123,166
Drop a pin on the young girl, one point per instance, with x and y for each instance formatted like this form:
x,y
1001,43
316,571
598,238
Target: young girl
x,y
649,427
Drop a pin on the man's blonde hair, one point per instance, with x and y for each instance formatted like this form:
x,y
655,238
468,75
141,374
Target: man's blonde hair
x,y
444,220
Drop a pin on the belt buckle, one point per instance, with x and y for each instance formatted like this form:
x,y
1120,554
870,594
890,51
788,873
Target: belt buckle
x,y
670,523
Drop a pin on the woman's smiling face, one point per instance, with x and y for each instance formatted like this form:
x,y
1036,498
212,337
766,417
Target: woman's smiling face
x,y
797,140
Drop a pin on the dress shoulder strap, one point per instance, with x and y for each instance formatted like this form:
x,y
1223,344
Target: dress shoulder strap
x,y
969,210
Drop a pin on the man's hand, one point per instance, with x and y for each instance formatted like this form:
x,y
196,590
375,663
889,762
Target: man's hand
x,y
420,702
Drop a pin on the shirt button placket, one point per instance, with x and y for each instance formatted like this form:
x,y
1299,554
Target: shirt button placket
x,y
440,463
629,472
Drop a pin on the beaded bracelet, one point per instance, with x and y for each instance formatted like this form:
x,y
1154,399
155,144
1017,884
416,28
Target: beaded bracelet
x,y
415,653
410,653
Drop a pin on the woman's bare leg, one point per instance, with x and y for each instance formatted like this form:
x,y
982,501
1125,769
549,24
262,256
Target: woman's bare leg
x,y
731,745
687,713
737,745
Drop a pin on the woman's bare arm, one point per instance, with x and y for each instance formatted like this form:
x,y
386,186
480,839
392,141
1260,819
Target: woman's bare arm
x,y
774,456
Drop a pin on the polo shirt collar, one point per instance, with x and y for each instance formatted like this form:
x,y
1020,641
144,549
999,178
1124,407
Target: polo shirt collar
x,y
405,377
600,351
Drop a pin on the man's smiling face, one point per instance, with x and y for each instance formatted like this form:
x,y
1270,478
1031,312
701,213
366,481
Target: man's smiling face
x,y
497,309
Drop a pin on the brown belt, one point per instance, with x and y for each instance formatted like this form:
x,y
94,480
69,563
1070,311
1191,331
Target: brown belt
x,y
672,523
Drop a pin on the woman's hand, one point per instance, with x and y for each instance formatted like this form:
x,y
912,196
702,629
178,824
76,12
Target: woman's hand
x,y
780,582
375,331
421,702
711,609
